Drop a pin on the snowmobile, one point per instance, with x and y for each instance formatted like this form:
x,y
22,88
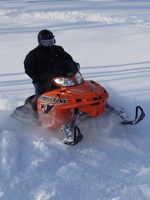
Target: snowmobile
x,y
70,101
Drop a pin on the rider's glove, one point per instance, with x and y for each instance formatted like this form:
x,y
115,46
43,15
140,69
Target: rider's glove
x,y
78,66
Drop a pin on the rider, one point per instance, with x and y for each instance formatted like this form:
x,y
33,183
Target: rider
x,y
40,61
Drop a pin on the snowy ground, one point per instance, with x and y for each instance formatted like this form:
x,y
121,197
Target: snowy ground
x,y
111,41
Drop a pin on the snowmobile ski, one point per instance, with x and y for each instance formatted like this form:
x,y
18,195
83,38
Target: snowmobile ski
x,y
139,115
77,137
72,132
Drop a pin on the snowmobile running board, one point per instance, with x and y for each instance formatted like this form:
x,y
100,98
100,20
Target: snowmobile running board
x,y
138,116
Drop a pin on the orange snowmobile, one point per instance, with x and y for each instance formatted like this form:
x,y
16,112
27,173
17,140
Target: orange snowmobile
x,y
70,100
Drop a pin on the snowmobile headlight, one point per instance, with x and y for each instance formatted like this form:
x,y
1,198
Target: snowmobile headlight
x,y
78,78
64,81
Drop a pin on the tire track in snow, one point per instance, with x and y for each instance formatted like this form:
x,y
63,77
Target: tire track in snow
x,y
26,17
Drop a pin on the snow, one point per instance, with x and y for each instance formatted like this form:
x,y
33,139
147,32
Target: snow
x,y
111,41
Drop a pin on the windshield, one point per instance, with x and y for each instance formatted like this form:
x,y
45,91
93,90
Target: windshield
x,y
65,68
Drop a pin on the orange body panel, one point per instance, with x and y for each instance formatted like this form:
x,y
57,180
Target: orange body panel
x,y
55,108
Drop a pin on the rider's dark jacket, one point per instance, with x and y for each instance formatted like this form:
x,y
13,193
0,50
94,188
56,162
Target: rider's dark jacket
x,y
41,60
